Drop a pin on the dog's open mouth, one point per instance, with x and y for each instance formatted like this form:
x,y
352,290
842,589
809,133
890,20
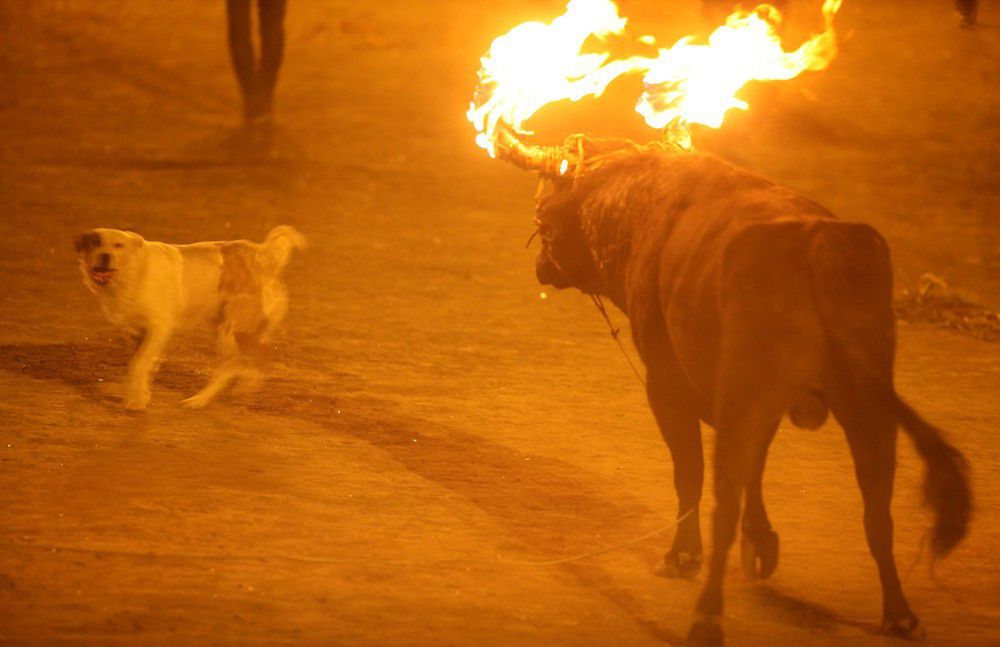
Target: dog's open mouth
x,y
101,275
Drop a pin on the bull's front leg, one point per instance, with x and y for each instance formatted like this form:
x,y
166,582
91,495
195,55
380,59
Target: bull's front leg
x,y
678,423
144,364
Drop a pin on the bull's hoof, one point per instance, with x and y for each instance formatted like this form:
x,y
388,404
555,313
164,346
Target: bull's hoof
x,y
907,627
705,633
759,553
679,565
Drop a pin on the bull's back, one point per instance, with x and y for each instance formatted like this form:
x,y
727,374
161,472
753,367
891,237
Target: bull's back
x,y
736,253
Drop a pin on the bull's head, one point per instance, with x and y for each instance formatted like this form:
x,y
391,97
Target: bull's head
x,y
566,259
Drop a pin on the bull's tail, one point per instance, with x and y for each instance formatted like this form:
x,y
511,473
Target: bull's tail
x,y
946,487
278,246
852,275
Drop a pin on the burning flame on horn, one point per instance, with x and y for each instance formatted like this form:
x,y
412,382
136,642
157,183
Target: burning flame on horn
x,y
536,64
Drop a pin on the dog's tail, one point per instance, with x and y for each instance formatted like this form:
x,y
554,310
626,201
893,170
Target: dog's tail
x,y
278,246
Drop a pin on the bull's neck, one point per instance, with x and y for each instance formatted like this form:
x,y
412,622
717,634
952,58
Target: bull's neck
x,y
613,293
611,248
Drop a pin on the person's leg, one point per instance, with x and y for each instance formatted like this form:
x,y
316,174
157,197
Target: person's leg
x,y
968,9
272,47
241,52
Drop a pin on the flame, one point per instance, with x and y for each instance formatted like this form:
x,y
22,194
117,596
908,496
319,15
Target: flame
x,y
536,64
691,83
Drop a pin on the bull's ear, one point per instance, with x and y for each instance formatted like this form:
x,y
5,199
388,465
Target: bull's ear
x,y
135,241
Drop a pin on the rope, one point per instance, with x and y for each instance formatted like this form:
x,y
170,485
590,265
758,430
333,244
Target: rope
x,y
599,304
499,561
920,553
610,549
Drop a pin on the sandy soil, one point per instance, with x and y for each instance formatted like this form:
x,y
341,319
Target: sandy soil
x,y
433,429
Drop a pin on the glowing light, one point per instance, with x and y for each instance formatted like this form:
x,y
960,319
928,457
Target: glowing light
x,y
536,64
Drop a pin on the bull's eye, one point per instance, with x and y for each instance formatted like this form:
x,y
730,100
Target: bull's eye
x,y
119,245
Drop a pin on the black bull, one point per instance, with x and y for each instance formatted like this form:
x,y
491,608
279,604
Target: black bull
x,y
748,301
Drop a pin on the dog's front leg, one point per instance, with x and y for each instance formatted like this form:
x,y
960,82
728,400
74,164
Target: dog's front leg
x,y
144,363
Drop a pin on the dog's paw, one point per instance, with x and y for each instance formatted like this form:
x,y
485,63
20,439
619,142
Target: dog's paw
x,y
137,401
198,401
250,382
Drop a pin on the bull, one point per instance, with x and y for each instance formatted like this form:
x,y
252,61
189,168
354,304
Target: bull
x,y
747,301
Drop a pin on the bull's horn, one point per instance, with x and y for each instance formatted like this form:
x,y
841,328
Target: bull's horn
x,y
549,161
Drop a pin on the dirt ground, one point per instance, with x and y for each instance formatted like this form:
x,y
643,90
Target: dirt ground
x,y
433,429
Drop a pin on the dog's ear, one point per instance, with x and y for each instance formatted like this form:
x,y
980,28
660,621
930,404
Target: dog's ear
x,y
135,241
85,241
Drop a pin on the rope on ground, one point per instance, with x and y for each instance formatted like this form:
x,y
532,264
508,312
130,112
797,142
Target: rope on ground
x,y
306,559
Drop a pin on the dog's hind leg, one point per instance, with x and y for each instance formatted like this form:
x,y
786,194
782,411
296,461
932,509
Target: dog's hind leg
x,y
229,368
257,352
255,345
251,379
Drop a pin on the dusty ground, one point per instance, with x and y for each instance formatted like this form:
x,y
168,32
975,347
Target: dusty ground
x,y
433,427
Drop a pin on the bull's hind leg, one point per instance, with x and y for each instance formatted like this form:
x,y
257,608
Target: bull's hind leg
x,y
678,424
871,433
742,436
758,542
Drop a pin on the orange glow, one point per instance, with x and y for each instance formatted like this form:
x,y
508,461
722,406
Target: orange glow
x,y
536,64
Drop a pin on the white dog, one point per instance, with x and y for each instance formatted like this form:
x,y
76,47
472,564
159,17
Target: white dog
x,y
151,289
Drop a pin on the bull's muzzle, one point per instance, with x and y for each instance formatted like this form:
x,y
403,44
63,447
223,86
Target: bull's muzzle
x,y
549,274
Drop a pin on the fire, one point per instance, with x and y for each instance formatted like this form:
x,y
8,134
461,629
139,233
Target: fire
x,y
691,83
536,64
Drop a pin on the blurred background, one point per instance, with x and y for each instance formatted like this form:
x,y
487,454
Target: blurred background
x,y
427,405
